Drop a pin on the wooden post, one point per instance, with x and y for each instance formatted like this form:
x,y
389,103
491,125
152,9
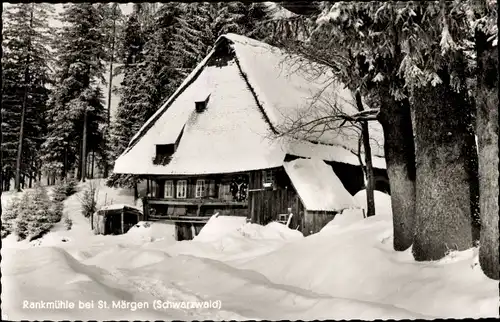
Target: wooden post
x,y
251,198
92,166
123,222
30,179
177,232
136,193
145,208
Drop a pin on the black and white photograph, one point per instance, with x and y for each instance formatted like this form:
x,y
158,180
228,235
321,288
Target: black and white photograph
x,y
296,160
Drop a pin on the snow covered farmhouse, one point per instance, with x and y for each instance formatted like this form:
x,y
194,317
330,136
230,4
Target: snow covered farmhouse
x,y
215,144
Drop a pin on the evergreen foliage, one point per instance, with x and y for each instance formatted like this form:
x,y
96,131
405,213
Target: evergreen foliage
x,y
159,48
34,214
80,56
26,77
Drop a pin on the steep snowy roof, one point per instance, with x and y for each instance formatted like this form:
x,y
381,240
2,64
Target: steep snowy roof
x,y
289,89
230,135
317,185
250,98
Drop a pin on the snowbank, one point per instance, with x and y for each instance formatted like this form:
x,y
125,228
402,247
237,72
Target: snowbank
x,y
344,219
256,272
359,263
152,231
273,230
382,202
218,227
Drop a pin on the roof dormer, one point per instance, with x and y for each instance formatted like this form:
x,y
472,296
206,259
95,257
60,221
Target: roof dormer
x,y
201,102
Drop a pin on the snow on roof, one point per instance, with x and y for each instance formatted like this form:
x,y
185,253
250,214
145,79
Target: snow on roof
x,y
164,107
230,135
289,90
306,149
317,185
249,98
118,207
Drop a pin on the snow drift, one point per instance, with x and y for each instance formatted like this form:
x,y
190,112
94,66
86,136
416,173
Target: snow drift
x,y
347,271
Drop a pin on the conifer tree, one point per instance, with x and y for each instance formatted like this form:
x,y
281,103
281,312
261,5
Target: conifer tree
x,y
161,52
485,16
133,89
76,102
112,24
26,76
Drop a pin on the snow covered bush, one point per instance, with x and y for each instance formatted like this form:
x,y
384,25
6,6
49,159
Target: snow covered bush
x,y
34,214
56,212
89,199
9,215
68,223
64,190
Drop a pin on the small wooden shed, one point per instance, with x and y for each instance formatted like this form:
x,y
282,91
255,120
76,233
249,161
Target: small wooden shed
x,y
115,219
320,190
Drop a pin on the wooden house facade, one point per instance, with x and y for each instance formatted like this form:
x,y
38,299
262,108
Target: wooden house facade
x,y
215,146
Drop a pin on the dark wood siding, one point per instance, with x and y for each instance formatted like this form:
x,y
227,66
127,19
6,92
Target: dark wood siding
x,y
351,176
266,205
314,221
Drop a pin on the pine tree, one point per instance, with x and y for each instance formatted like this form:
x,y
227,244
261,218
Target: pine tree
x,y
27,74
435,69
394,54
112,21
126,118
76,101
133,91
486,49
374,57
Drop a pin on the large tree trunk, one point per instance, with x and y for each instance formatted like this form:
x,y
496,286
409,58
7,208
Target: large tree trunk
x,y
21,139
84,146
399,150
473,168
487,132
65,166
92,166
443,207
78,166
110,86
1,154
23,112
370,178
30,177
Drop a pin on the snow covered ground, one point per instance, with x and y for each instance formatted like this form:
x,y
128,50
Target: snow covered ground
x,y
235,270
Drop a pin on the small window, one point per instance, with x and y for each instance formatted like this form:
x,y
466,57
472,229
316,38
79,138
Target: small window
x,y
201,102
211,189
169,189
225,192
181,189
268,178
153,189
200,188
164,153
